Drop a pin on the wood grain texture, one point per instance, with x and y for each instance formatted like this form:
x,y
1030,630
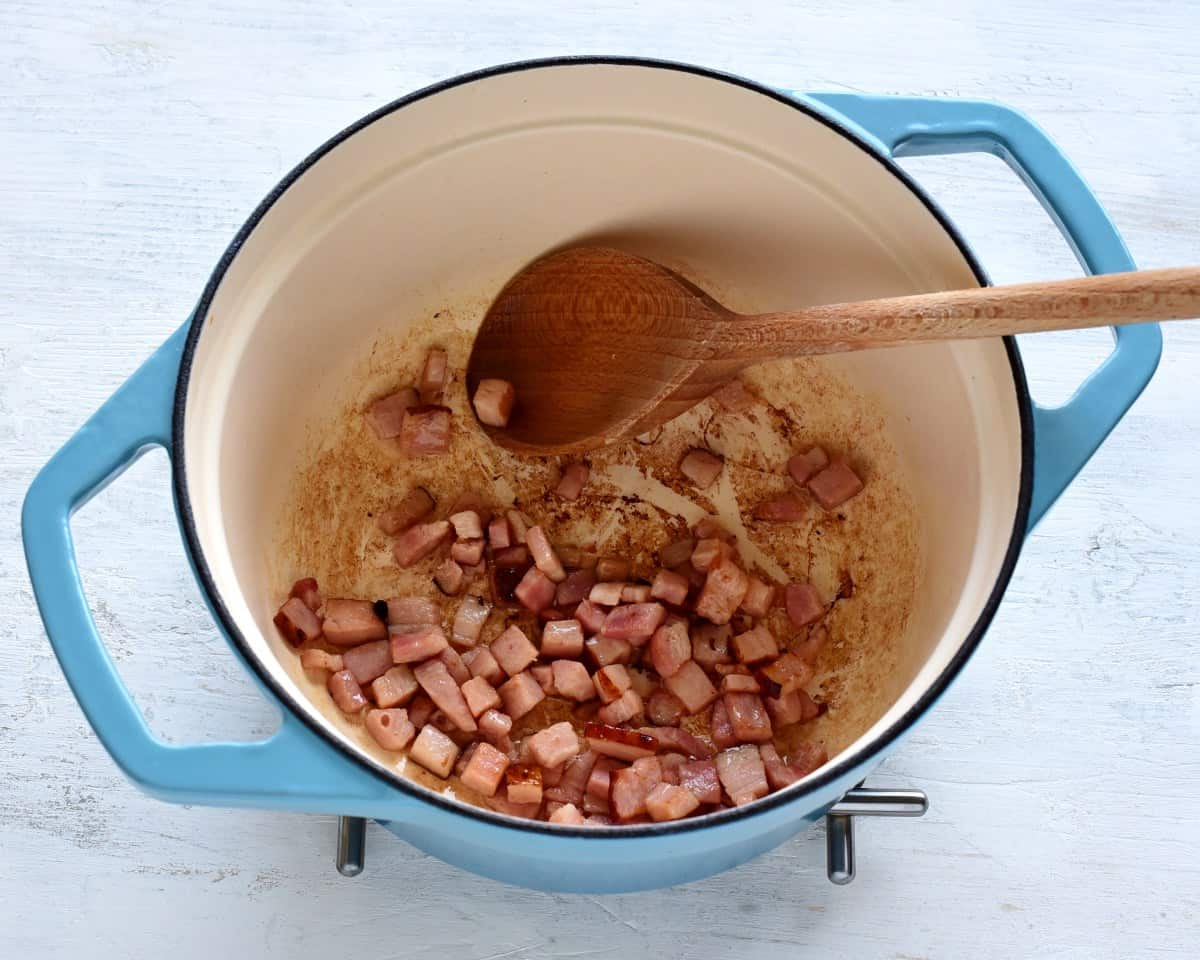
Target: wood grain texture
x,y
603,346
1063,767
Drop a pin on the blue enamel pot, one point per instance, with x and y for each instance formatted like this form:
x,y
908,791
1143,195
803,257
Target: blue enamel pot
x,y
772,199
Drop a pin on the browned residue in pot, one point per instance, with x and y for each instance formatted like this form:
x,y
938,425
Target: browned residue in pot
x,y
863,557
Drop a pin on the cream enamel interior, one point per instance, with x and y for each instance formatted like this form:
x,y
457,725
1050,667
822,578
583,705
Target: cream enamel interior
x,y
437,203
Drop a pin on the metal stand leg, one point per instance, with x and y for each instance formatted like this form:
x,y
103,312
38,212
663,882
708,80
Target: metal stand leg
x,y
863,802
352,846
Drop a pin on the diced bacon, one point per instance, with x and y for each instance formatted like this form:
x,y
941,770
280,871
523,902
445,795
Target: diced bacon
x,y
690,684
501,804
804,465
785,508
700,779
710,644
590,616
709,552
391,729
562,638
314,659
599,781
395,688
346,692
807,757
795,706
670,587
701,467
605,650
671,762
576,558
758,599
467,552
351,622
619,743
499,534
748,717
812,645
676,552
433,376
571,786
755,646
574,588
625,708
804,604
418,645
554,745
710,529
676,738
513,650
535,591
417,504
834,485
425,431
606,594
571,680
724,590
514,556
611,682
568,815
667,802
495,725
481,663
742,774
418,542
436,681
635,621
521,694
627,793
739,683
467,525
308,591
420,709
663,708
720,727
570,485
519,524
613,568
734,397
642,682
724,669
386,415
789,671
670,648
635,593
297,622
480,695
544,557
368,661
455,666
494,401
449,577
485,769
544,675
468,621
413,612
435,751
524,783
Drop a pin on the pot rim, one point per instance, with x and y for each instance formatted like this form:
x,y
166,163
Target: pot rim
x,y
827,775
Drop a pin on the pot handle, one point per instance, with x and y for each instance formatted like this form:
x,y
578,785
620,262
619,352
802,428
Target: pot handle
x,y
1066,436
291,770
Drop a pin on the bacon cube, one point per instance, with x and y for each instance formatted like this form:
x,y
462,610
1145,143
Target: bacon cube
x,y
667,802
480,696
297,622
544,557
391,729
663,708
395,688
789,671
433,375
635,593
795,706
670,587
436,681
755,646
467,553
720,728
619,743
622,710
804,465
495,725
590,616
834,485
701,467
524,784
425,431
449,577
535,591
742,774
417,503
758,599
521,694
605,650
368,661
724,590
485,769
804,605
386,415
346,692
513,650
634,621
568,815
710,644
678,739
670,648
699,777
493,401
418,645
308,592
570,485
314,659
499,534
748,717
554,745
571,680
611,682
435,751
351,622
574,588
690,684
412,612
709,552
739,683
607,593
562,638
419,541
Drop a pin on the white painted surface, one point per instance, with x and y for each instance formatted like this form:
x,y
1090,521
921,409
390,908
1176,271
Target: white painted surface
x,y
1063,767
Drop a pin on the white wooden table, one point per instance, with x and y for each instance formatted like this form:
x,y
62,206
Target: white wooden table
x,y
1063,767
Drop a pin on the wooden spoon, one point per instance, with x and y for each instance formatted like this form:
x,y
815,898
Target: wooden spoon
x,y
603,346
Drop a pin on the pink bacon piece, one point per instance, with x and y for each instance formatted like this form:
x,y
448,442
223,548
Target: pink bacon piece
x,y
391,729
368,661
467,525
676,738
554,745
413,612
755,646
544,557
748,717
425,431
297,622
709,552
606,594
524,782
701,467
480,695
499,534
668,802
804,465
625,708
605,650
710,644
834,485
619,743
308,592
467,552
670,648
635,593
562,638
590,616
481,663
436,681
468,622
720,728
785,508
419,541
521,694
634,621
435,751
691,686
663,708
346,692
416,505
571,680
485,770
418,645
789,671
351,622
544,675
700,779
611,681
795,706
742,774
567,815
574,588
386,415
535,591
494,401
513,650
570,788
676,552
758,599
433,376
724,589
804,605
314,659
739,683
570,485
395,687
449,577
669,587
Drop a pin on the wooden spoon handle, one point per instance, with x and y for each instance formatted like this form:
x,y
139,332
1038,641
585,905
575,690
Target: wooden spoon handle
x,y
1094,301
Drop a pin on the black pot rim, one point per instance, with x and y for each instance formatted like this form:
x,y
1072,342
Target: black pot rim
x,y
829,774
